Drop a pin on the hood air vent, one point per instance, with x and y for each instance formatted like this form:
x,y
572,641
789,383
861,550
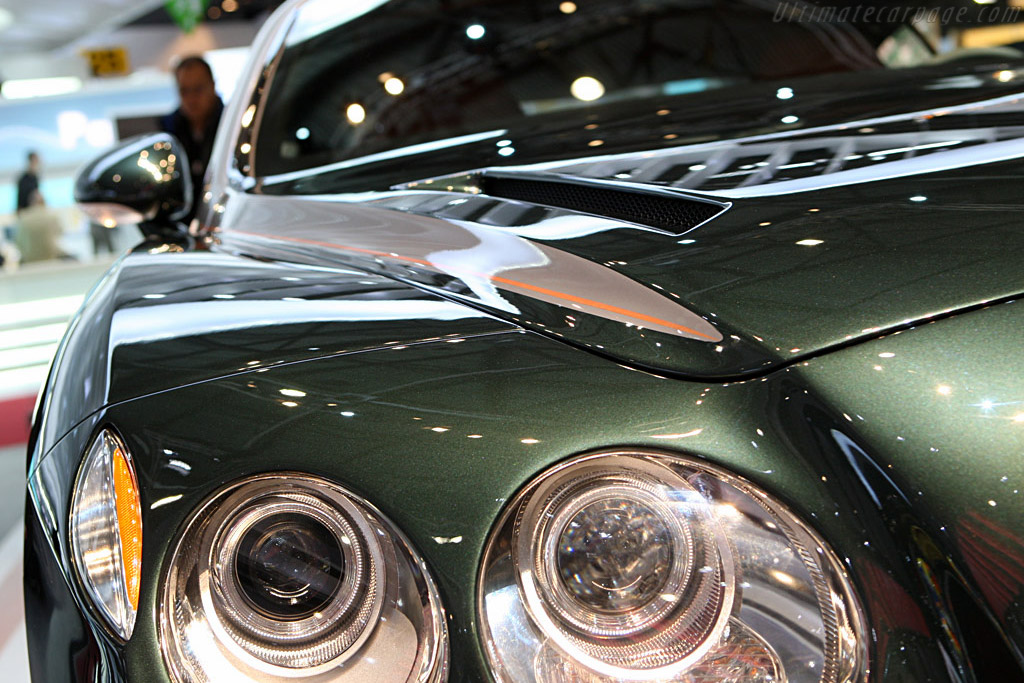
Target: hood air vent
x,y
665,210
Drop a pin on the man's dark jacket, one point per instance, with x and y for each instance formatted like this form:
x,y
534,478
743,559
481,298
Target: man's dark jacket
x,y
198,150
27,184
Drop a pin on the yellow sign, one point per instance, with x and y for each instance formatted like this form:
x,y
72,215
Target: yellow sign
x,y
110,61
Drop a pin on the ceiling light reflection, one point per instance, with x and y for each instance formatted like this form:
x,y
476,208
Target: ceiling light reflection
x,y
164,501
728,510
587,89
355,113
783,577
248,116
442,540
692,432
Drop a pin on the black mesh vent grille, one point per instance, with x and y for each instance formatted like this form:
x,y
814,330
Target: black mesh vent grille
x,y
673,214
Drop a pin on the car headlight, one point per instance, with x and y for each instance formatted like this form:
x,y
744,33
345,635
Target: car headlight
x,y
106,531
644,566
288,575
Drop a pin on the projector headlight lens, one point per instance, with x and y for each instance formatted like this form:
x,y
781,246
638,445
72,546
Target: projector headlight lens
x,y
642,566
290,566
614,555
288,576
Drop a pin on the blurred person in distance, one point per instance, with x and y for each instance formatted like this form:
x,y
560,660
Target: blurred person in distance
x,y
195,121
10,257
38,231
102,238
28,182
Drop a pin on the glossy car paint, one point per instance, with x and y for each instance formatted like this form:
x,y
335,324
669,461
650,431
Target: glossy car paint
x,y
777,278
445,488
871,381
896,241
846,444
161,320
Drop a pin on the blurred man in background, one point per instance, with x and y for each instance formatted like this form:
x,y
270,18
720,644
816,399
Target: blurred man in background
x,y
28,183
39,231
194,123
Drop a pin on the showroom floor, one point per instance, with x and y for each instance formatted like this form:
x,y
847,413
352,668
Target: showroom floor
x,y
36,303
13,657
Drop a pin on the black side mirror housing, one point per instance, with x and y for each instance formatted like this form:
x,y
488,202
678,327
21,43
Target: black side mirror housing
x,y
144,180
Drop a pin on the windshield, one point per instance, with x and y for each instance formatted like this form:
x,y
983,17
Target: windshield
x,y
387,82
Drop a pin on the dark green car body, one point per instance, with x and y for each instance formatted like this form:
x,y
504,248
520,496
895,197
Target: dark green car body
x,y
861,359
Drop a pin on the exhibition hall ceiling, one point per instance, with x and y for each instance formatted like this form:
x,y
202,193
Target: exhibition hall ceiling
x,y
31,26
36,27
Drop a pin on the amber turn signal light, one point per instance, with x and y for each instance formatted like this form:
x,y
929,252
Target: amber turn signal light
x,y
106,531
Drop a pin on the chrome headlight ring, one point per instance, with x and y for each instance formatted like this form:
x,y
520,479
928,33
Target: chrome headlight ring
x,y
618,562
286,576
638,565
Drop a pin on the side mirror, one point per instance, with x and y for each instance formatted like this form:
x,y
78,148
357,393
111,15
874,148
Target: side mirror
x,y
145,180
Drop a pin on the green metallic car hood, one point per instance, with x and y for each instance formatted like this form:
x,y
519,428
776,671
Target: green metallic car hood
x,y
863,204
168,319
778,277
907,462
798,273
